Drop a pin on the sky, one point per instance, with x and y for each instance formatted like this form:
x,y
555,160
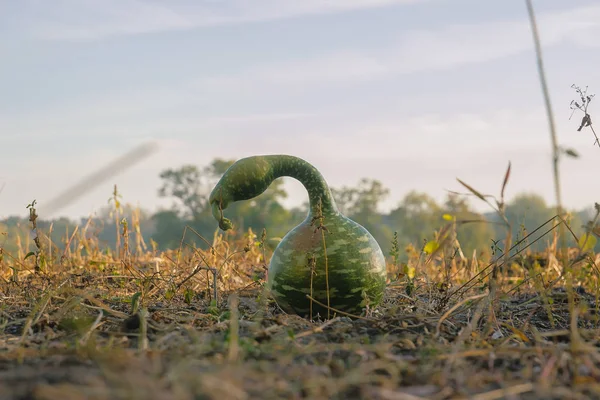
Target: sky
x,y
414,93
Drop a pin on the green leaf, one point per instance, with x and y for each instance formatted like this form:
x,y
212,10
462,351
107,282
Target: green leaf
x,y
15,274
587,242
135,302
571,153
188,296
31,253
431,246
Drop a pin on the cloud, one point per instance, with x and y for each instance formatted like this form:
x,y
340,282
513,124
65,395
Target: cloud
x,y
207,119
129,113
420,51
75,20
434,133
94,19
339,67
405,153
428,152
589,38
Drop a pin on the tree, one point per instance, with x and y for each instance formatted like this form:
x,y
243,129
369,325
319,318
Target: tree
x,y
416,218
579,221
184,184
471,235
191,186
362,199
168,228
525,213
344,198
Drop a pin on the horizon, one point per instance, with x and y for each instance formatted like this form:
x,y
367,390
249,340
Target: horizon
x,y
474,205
413,93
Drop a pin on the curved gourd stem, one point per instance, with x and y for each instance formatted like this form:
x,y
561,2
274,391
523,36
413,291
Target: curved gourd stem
x,y
251,176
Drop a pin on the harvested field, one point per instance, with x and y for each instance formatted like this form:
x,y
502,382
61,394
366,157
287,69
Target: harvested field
x,y
147,326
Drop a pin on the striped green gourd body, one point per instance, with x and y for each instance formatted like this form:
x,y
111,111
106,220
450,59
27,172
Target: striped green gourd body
x,y
342,259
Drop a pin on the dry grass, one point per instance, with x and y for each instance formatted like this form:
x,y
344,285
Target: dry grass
x,y
94,325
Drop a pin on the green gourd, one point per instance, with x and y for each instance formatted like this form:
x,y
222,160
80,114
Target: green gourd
x,y
328,256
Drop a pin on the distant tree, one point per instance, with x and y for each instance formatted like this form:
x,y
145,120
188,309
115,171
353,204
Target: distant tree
x,y
107,224
470,235
365,198
344,198
416,218
168,228
525,213
579,220
185,185
191,186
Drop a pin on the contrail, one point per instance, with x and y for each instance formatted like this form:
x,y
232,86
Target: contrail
x,y
89,182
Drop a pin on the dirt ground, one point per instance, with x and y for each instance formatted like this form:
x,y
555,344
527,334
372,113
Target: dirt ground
x,y
83,341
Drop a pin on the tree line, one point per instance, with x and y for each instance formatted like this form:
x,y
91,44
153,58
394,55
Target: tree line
x,y
413,221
